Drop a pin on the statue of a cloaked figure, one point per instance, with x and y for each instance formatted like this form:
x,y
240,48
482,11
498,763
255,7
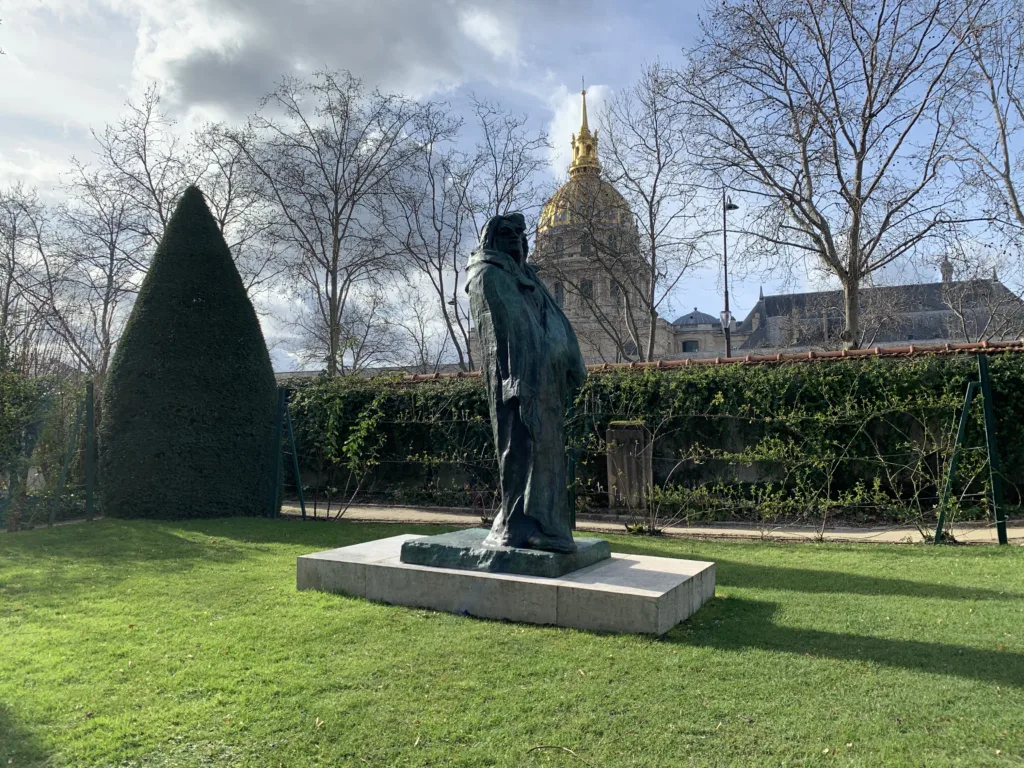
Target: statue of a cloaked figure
x,y
531,366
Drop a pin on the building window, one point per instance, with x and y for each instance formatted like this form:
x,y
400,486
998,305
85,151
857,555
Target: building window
x,y
559,294
615,291
613,243
559,246
691,346
630,349
586,248
587,289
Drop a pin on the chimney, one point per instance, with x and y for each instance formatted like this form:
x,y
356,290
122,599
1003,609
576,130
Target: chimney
x,y
947,270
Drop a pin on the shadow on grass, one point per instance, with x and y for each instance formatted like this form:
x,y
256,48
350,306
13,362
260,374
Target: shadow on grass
x,y
156,542
315,534
58,566
732,573
837,582
174,543
17,746
47,563
736,624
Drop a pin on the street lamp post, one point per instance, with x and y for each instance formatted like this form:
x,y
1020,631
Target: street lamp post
x,y
726,317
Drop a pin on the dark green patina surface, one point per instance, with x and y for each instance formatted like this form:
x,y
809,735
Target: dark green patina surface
x,y
465,550
532,367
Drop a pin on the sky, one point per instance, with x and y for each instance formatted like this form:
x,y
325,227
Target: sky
x,y
69,66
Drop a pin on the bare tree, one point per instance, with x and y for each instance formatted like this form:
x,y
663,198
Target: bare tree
x,y
23,244
238,198
89,278
424,340
152,162
511,162
428,214
369,338
324,148
150,157
435,210
833,114
990,116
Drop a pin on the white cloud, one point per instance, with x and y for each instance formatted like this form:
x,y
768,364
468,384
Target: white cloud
x,y
490,32
32,167
71,64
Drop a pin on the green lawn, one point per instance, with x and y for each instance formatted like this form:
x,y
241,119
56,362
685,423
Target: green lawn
x,y
159,644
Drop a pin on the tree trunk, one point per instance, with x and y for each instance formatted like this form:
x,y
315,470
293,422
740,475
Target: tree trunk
x,y
851,306
652,333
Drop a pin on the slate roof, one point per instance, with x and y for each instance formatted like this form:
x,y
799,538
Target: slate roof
x,y
697,318
922,302
919,297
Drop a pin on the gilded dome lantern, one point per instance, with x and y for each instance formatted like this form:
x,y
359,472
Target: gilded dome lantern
x,y
585,201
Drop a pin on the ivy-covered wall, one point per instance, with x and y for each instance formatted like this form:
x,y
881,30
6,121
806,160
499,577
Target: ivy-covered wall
x,y
867,439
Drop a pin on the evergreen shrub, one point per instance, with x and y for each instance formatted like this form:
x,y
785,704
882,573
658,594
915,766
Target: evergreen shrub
x,y
188,406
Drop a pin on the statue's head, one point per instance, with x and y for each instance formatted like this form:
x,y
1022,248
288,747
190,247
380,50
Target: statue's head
x,y
506,234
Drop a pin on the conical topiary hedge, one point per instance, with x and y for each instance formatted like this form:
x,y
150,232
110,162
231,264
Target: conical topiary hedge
x,y
189,401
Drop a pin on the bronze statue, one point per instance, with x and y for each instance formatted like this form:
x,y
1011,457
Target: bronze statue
x,y
531,366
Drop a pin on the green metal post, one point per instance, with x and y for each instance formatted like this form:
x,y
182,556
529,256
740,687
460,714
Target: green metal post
x,y
993,453
295,460
67,463
90,453
275,470
571,460
954,460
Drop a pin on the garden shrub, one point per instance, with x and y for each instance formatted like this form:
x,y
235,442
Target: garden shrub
x,y
189,402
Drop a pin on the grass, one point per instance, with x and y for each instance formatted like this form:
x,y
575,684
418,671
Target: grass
x,y
161,644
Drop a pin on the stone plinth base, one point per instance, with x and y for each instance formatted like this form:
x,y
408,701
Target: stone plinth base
x,y
465,550
623,593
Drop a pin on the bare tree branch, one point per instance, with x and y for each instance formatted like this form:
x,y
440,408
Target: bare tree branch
x,y
834,115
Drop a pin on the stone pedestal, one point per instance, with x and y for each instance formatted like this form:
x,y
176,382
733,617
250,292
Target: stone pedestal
x,y
630,464
622,593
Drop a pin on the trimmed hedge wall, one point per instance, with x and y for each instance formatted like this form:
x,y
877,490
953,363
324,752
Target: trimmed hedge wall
x,y
188,407
868,439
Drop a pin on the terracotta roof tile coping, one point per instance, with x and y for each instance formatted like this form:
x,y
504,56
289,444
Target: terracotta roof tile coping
x,y
795,357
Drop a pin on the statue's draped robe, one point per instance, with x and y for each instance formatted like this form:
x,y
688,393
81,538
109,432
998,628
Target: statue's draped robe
x,y
531,365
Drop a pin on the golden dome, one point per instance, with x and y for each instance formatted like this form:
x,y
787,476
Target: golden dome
x,y
585,199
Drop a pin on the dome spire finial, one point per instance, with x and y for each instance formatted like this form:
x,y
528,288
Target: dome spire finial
x,y
584,128
584,144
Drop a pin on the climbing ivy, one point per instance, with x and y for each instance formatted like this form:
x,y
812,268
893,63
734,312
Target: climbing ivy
x,y
867,439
